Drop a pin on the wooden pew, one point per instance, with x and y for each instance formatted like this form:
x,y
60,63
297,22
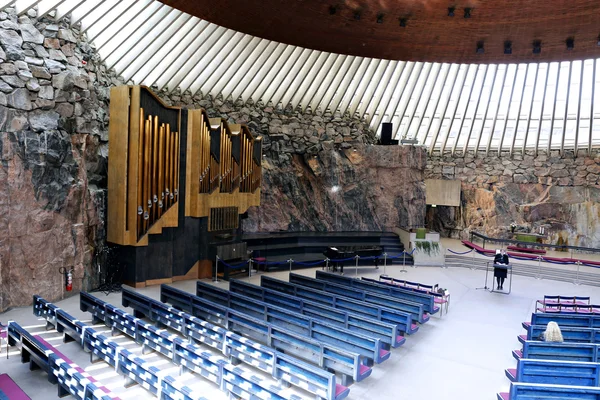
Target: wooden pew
x,y
564,320
415,309
570,334
346,363
213,368
530,391
585,352
388,333
427,300
555,372
71,379
381,313
281,366
367,346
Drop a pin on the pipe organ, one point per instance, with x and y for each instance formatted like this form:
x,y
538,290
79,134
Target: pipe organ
x,y
174,176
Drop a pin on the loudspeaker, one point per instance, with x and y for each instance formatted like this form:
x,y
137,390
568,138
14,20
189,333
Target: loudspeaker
x,y
386,133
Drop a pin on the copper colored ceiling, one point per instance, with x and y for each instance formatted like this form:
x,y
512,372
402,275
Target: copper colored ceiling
x,y
430,34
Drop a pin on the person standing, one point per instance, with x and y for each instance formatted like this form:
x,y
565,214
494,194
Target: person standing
x,y
501,258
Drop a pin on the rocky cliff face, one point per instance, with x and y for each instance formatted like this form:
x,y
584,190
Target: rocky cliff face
x,y
321,171
559,194
364,188
53,132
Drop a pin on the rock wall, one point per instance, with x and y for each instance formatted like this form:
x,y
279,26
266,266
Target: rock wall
x,y
53,142
321,171
559,194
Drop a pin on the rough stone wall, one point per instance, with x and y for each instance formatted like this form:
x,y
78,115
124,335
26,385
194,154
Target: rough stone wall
x,y
53,140
321,171
560,194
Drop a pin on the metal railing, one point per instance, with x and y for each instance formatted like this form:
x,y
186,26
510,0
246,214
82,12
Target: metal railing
x,y
577,273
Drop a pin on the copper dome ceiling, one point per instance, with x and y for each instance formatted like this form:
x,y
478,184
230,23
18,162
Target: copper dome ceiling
x,y
429,35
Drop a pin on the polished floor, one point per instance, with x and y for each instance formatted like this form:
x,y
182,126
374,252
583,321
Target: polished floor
x,y
460,355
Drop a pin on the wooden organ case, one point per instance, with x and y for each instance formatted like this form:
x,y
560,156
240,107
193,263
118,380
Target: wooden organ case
x,y
177,180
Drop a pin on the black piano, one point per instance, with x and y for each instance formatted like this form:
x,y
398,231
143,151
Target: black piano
x,y
339,253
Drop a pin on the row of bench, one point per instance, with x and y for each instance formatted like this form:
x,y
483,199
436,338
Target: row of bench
x,y
400,299
301,341
569,369
390,334
340,302
267,357
215,369
326,315
70,378
371,349
325,355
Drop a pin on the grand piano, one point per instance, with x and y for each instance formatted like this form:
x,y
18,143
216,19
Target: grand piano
x,y
339,253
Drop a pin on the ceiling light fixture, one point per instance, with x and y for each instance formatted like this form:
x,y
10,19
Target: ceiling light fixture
x,y
451,11
380,18
357,15
508,47
403,22
537,46
332,10
468,12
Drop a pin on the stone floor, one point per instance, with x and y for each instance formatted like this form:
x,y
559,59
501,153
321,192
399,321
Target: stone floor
x,y
461,355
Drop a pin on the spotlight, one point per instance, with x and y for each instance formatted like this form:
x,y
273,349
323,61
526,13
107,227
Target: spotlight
x,y
508,47
332,10
451,11
403,22
598,43
537,46
380,18
357,15
468,12
480,49
570,43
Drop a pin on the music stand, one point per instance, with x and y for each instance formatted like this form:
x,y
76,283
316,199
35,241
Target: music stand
x,y
485,287
508,268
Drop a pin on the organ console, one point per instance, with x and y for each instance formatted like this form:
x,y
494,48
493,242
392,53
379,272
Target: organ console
x,y
176,169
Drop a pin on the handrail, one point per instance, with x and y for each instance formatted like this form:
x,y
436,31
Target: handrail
x,y
554,246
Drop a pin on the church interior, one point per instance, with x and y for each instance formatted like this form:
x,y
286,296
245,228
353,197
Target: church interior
x,y
295,200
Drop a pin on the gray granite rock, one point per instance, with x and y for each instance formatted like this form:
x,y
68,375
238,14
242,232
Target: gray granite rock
x,y
30,34
67,35
42,120
13,81
54,65
20,99
64,80
40,72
